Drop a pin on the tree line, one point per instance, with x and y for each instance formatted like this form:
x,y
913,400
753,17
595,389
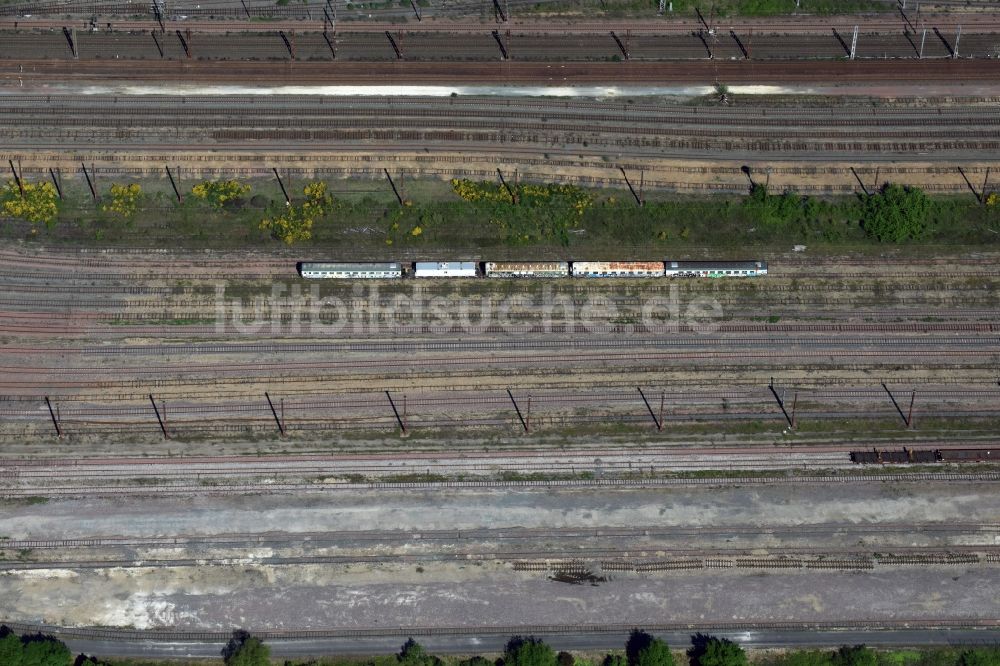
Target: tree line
x,y
641,649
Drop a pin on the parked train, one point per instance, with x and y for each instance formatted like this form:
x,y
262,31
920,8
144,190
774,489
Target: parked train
x,y
886,457
388,270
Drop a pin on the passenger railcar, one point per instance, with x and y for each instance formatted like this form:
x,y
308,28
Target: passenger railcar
x,y
423,269
715,269
350,271
630,269
526,269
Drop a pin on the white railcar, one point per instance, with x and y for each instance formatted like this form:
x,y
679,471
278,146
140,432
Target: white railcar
x,y
630,269
715,269
424,269
527,269
351,271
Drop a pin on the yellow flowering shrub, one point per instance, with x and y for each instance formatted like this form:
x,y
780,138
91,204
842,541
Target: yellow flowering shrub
x,y
124,199
289,228
39,205
218,193
296,223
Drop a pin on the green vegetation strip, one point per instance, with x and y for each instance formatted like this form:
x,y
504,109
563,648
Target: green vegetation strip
x,y
526,219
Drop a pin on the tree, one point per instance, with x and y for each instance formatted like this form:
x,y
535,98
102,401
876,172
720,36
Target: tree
x,y
11,650
565,659
615,660
980,657
711,651
528,651
859,655
41,650
413,654
896,214
641,649
246,650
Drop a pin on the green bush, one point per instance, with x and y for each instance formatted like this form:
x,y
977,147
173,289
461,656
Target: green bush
x,y
896,214
773,210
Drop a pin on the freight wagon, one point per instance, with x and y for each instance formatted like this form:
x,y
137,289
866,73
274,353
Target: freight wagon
x,y
876,456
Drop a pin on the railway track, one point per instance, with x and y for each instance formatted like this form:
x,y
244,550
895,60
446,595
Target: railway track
x,y
576,560
188,114
466,345
415,44
675,534
45,325
220,637
225,17
254,160
376,402
454,73
669,135
250,106
678,129
267,487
